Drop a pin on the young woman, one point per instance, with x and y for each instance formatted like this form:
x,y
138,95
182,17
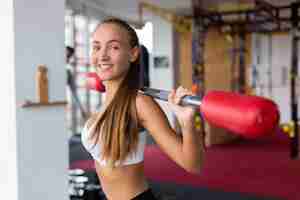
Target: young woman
x,y
112,135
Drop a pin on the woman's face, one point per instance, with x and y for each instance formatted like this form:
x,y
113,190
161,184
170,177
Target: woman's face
x,y
111,52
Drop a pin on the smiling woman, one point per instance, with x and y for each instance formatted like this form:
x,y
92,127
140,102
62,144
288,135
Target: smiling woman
x,y
111,51
112,135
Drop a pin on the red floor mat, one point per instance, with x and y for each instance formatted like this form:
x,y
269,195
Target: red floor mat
x,y
260,167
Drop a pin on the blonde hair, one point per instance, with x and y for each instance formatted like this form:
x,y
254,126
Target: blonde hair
x,y
117,126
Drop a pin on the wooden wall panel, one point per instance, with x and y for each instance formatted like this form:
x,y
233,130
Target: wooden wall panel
x,y
185,59
218,71
218,76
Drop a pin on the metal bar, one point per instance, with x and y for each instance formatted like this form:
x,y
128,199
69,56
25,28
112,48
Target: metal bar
x,y
242,70
212,18
224,13
260,30
163,95
294,151
268,8
250,22
74,119
156,93
277,17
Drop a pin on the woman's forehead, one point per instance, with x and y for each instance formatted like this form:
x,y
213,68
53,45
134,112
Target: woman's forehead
x,y
110,32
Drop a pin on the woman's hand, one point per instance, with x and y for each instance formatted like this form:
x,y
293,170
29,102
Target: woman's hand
x,y
184,114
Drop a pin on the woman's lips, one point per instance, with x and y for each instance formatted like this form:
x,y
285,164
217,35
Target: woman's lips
x,y
105,66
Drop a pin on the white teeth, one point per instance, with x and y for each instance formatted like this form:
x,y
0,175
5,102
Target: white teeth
x,y
106,66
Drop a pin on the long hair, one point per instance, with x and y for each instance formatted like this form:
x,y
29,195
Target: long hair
x,y
117,126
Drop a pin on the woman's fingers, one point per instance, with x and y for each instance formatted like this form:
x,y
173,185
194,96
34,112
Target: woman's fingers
x,y
184,114
175,96
171,96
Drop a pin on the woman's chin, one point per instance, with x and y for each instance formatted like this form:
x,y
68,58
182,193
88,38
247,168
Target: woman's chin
x,y
104,77
110,77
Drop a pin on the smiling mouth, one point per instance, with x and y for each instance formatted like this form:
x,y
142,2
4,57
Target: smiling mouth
x,y
105,66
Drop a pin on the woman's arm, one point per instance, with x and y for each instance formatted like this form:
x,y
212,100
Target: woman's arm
x,y
186,151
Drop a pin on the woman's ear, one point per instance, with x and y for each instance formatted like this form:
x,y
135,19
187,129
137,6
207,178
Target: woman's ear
x,y
134,54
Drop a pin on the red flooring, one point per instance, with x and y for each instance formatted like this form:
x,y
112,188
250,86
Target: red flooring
x,y
261,167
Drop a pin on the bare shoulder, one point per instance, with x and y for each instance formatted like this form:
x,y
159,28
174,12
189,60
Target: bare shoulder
x,y
152,118
146,105
142,100
150,114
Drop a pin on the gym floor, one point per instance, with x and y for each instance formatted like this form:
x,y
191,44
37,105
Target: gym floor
x,y
257,169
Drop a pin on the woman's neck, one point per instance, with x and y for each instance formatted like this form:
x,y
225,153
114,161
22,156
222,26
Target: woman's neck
x,y
111,87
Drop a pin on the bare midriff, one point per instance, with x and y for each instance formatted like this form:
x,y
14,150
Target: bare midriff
x,y
122,182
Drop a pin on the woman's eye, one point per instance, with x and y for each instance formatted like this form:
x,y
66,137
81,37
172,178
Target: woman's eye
x,y
96,48
115,47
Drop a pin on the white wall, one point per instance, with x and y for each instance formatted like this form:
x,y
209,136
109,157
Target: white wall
x,y
279,58
94,9
162,78
8,154
35,138
162,46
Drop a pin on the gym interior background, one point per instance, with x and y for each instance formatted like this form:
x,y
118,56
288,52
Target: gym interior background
x,y
245,46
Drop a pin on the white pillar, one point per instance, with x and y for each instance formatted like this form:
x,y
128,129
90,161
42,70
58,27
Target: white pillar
x,y
163,45
33,141
8,169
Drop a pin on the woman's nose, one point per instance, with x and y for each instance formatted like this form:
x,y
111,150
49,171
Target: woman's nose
x,y
103,54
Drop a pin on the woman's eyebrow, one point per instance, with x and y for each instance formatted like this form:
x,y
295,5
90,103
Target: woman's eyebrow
x,y
110,41
96,42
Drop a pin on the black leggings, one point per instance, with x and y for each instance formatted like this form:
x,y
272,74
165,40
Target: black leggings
x,y
146,195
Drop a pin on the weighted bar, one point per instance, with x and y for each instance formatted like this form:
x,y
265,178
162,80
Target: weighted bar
x,y
163,95
246,115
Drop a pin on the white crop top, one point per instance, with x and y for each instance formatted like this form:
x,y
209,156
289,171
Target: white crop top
x,y
95,150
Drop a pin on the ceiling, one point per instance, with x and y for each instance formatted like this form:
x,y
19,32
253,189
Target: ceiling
x,y
129,8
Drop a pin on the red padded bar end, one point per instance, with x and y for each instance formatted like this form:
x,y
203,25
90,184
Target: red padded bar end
x,y
250,116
